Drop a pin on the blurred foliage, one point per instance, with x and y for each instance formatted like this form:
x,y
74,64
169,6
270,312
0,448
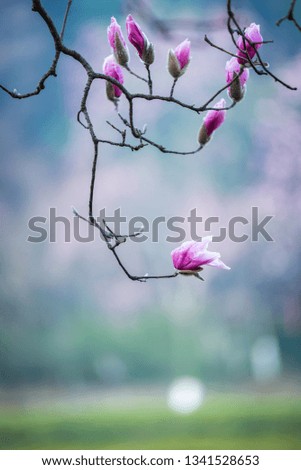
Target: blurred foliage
x,y
226,422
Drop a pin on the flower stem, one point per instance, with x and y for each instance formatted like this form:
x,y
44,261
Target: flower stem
x,y
150,82
173,87
135,74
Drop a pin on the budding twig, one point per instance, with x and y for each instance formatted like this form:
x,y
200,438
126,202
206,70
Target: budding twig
x,y
264,71
112,240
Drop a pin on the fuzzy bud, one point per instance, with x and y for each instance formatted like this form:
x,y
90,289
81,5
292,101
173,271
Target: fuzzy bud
x,y
121,53
117,43
179,59
148,55
110,92
113,70
173,65
203,137
236,77
236,91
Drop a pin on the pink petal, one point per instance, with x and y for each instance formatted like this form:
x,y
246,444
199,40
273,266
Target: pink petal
x,y
191,256
112,30
135,35
232,66
182,52
111,68
217,263
214,119
252,33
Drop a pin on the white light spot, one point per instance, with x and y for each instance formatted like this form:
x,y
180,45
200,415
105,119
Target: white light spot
x,y
186,395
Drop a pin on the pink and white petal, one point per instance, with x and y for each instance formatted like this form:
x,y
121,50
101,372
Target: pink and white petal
x,y
181,256
206,257
218,263
200,246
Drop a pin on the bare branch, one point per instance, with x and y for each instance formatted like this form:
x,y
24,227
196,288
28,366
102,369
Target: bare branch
x,y
112,240
290,16
135,74
51,71
65,19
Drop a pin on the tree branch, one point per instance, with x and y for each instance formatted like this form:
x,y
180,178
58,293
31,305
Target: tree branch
x,y
264,69
112,240
290,16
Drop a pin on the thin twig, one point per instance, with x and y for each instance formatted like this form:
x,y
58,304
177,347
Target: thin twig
x,y
150,82
290,16
135,74
173,87
65,19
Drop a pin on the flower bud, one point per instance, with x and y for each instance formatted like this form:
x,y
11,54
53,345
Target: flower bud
x,y
213,119
121,53
179,59
148,55
117,42
113,70
173,64
110,92
237,87
138,39
249,44
203,137
236,91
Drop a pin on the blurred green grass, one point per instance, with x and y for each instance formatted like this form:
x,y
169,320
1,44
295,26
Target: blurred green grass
x,y
224,422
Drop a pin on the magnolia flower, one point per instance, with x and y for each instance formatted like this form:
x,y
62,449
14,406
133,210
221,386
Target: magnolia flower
x,y
191,257
237,88
212,121
179,59
249,44
117,42
138,39
113,70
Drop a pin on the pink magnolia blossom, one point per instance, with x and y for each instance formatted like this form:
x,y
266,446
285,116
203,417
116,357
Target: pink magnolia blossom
x,y
212,121
117,42
179,59
139,40
192,256
113,70
237,88
245,48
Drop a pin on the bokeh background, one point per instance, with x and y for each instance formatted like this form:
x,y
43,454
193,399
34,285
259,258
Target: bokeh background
x,y
89,359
